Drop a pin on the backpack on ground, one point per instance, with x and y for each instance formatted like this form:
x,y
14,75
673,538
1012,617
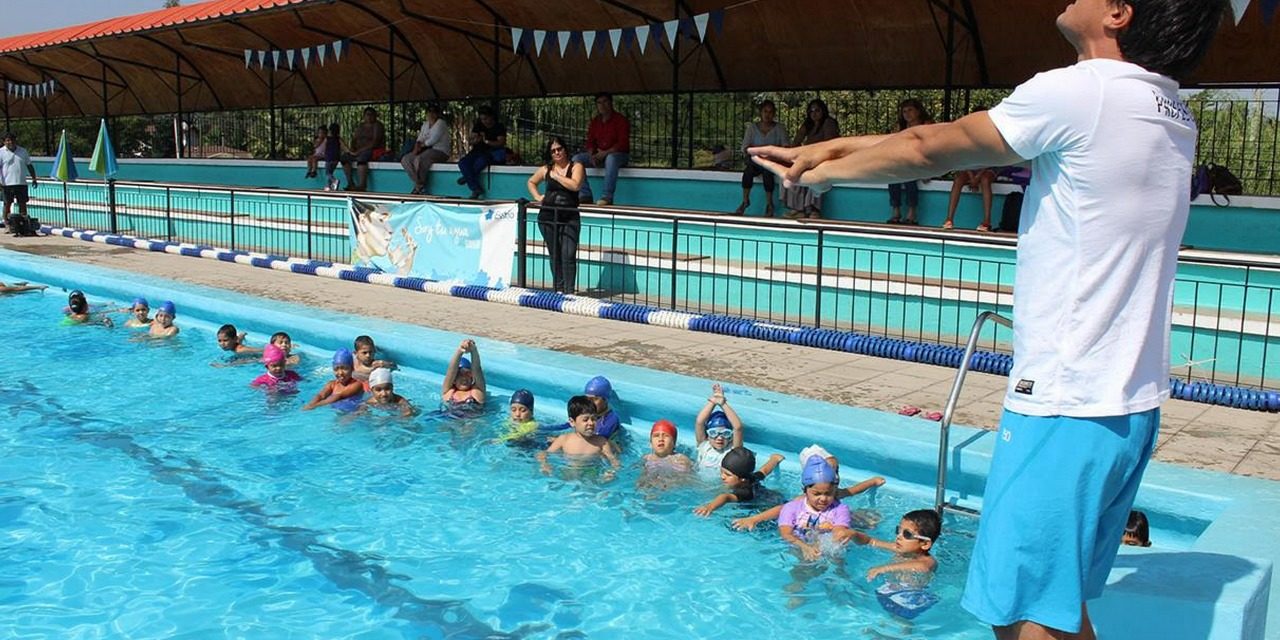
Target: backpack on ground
x,y
1011,212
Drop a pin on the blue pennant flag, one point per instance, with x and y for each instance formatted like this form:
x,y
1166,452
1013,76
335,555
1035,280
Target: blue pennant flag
x,y
717,21
1269,9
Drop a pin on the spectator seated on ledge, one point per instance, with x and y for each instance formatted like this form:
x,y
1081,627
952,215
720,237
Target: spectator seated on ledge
x,y
488,146
369,143
432,145
608,146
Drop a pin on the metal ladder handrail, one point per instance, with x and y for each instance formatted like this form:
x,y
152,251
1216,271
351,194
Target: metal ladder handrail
x,y
944,437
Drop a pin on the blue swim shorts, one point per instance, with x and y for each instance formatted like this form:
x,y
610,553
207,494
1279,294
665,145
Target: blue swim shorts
x,y
1056,503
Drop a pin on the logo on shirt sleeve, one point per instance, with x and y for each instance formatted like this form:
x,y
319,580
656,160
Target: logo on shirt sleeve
x,y
1024,386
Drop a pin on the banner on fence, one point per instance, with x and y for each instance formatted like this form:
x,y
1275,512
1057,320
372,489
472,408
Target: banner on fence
x,y
465,244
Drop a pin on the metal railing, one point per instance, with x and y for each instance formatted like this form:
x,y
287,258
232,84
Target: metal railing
x,y
917,285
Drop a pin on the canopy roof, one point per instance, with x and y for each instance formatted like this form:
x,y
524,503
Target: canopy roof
x,y
460,48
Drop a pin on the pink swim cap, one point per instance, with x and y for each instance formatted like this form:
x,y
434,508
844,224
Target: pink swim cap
x,y
272,354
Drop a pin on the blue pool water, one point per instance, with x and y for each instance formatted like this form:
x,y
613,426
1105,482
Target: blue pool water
x,y
144,493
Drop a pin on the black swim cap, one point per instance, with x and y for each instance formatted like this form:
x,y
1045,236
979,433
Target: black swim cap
x,y
77,302
740,461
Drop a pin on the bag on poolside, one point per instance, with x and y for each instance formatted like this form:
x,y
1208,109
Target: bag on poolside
x,y
24,225
1220,182
1011,212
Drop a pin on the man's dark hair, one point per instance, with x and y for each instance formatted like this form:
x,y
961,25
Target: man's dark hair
x,y
606,95
579,405
485,111
369,110
927,521
1171,37
8,135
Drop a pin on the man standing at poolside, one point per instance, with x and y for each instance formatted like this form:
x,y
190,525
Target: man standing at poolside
x,y
1111,148
15,166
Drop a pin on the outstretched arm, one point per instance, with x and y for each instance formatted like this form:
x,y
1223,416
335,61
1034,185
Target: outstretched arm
x,y
719,501
452,372
477,372
733,420
770,464
750,522
865,485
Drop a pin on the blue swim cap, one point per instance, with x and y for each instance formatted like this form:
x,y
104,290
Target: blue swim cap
x,y
523,397
168,308
718,419
598,386
139,302
817,470
343,357
464,364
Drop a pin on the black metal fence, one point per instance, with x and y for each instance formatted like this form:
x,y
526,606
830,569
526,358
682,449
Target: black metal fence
x,y
896,283
1238,128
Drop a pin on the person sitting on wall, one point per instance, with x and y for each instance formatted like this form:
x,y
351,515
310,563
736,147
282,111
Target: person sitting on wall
x,y
432,145
766,132
369,143
608,146
488,146
975,180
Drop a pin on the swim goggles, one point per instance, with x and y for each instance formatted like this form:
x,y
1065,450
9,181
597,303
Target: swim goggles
x,y
907,534
719,432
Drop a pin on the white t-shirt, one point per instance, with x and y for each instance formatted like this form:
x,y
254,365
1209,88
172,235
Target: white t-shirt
x,y
1111,147
13,166
709,459
435,136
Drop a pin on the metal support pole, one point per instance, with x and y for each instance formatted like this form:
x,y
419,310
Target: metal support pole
x,y
8,126
271,80
675,245
309,236
522,243
111,206
232,218
179,139
497,78
391,90
66,206
168,214
817,285
951,62
691,130
675,95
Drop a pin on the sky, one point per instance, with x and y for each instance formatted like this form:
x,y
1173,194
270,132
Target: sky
x,y
18,17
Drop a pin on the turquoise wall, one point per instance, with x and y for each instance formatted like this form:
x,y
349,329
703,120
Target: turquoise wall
x,y
1251,225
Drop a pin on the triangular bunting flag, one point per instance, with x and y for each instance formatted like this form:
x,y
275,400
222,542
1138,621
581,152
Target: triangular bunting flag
x,y
306,57
717,21
262,59
248,57
516,34
275,58
563,37
1269,9
615,36
588,41
1239,7
338,48
539,37
642,37
700,23
670,27
320,49
39,90
290,55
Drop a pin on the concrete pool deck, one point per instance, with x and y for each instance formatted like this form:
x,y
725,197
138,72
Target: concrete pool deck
x,y
1192,434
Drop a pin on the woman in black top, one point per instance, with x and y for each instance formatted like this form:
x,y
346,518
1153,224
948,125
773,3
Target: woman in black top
x,y
558,214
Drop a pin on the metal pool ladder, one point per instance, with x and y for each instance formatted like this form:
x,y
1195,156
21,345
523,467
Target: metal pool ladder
x,y
944,435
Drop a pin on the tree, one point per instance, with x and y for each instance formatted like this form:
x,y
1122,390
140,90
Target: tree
x,y
169,4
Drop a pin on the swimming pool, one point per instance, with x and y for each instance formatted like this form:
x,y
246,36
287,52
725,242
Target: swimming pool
x,y
130,513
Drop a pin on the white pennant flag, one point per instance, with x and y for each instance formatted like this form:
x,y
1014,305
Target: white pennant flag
x,y
700,21
588,40
337,50
538,37
563,36
262,59
320,48
615,36
516,34
248,57
275,58
306,57
39,89
671,26
642,37
1239,6
289,55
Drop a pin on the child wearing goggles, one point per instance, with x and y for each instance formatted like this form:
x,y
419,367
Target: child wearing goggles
x,y
716,430
912,565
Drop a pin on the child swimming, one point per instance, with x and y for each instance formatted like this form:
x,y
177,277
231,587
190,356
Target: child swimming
x,y
342,387
818,511
139,314
520,426
282,340
583,443
600,390
862,518
21,287
740,478
229,339
912,565
464,380
162,326
382,394
365,352
277,379
78,312
663,466
716,430
1137,531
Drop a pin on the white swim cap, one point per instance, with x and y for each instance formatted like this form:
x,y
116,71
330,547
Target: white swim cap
x,y
379,376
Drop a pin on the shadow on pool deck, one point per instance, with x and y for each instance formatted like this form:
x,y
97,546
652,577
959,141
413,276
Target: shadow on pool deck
x,y
1197,435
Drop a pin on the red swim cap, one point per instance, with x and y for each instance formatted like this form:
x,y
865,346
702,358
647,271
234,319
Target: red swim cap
x,y
664,426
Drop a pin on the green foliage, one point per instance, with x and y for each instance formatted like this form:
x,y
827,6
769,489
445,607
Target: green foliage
x,y
1240,133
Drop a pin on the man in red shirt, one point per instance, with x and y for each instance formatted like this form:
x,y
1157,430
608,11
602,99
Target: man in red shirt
x,y
608,146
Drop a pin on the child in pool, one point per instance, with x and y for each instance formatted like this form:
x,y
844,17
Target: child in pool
x,y
78,312
716,430
162,326
662,466
233,341
582,442
600,390
1137,532
520,426
342,386
139,314
365,352
21,287
464,381
912,566
740,478
860,519
818,511
282,340
383,394
277,379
